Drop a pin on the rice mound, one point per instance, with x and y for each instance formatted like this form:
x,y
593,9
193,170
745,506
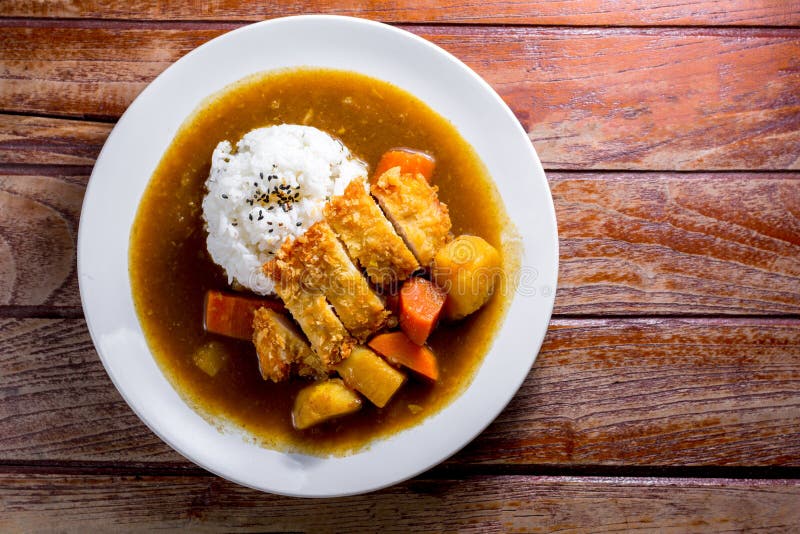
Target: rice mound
x,y
272,187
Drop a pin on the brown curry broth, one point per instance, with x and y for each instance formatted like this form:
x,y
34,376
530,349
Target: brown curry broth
x,y
171,270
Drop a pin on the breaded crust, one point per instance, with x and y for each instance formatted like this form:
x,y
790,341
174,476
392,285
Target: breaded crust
x,y
326,333
413,206
326,267
369,237
282,350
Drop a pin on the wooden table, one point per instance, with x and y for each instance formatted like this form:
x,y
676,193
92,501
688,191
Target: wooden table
x,y
667,393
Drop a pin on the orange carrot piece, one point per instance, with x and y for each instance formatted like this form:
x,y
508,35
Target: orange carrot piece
x,y
398,349
408,160
232,315
392,301
421,303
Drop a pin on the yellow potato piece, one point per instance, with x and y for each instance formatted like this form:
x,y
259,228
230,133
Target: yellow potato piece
x,y
323,401
210,357
467,268
369,374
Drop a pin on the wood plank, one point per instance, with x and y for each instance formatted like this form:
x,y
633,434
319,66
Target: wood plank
x,y
645,392
651,99
655,392
561,12
475,504
48,365
678,244
40,140
38,238
629,243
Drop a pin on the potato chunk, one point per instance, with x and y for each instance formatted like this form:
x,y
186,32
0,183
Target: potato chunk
x,y
323,401
210,357
369,374
467,268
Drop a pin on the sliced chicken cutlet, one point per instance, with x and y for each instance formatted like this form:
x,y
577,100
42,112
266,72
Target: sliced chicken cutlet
x,y
326,333
327,267
282,350
369,237
413,206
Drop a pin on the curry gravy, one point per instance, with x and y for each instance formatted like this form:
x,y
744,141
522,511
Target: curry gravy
x,y
171,270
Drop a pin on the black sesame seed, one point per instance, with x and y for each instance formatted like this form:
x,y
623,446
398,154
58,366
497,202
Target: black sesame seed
x,y
224,196
261,175
270,208
251,216
270,230
299,224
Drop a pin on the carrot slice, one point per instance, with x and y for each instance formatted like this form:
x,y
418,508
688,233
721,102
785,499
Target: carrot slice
x,y
421,303
392,301
232,315
398,349
408,160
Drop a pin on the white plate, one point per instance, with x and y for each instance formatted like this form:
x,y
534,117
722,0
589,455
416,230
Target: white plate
x,y
135,147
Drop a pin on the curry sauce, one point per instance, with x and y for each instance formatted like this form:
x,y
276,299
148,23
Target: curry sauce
x,y
171,270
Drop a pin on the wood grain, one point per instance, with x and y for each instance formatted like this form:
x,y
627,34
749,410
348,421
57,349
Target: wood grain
x,y
38,237
652,391
653,243
475,504
40,140
693,392
655,392
563,12
629,243
650,99
48,365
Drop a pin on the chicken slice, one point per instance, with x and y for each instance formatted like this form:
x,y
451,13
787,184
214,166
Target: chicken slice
x,y
281,348
326,333
413,206
327,268
369,237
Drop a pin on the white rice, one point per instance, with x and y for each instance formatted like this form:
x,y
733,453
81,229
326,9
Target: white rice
x,y
301,159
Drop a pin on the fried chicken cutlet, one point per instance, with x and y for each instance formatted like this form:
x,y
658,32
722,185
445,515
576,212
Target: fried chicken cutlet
x,y
369,237
413,207
281,348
